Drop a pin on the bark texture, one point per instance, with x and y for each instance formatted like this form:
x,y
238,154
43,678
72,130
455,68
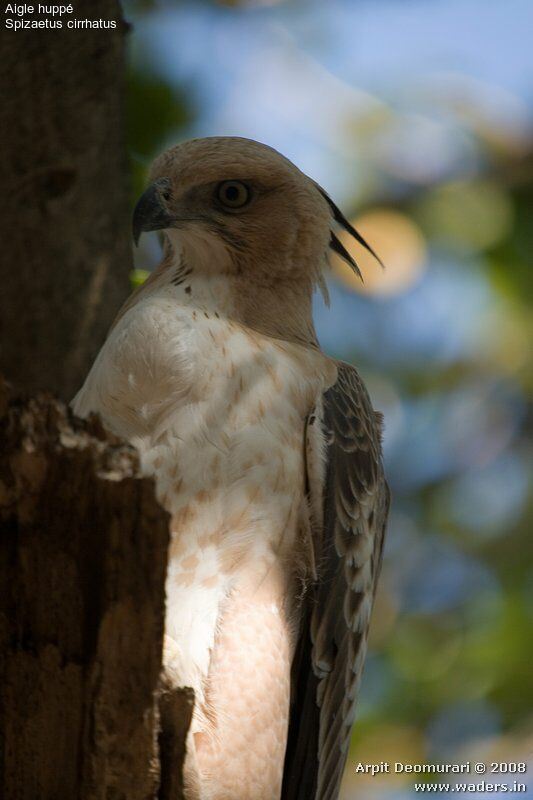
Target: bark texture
x,y
175,707
83,547
66,252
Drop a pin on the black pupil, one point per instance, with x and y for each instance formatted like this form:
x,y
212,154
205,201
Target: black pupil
x,y
232,193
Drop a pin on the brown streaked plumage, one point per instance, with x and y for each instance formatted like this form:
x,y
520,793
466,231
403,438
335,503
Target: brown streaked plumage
x,y
266,454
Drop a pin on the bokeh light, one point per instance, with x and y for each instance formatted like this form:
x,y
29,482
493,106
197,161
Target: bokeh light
x,y
399,244
469,216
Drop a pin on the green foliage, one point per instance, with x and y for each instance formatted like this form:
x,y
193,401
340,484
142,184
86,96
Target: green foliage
x,y
138,277
155,110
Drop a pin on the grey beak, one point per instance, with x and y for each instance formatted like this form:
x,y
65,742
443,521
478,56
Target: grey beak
x,y
150,213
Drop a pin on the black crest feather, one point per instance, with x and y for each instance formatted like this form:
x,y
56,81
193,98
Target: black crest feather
x,y
336,245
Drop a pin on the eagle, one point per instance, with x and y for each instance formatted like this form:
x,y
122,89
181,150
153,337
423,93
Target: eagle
x,y
267,455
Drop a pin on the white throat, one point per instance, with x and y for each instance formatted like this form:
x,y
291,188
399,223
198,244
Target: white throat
x,y
199,269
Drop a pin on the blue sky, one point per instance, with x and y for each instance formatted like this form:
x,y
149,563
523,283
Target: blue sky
x,y
370,42
302,75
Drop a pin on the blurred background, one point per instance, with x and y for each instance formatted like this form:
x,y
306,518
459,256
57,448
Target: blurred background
x,y
417,117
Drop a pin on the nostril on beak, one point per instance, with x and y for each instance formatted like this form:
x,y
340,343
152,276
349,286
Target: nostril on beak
x,y
150,213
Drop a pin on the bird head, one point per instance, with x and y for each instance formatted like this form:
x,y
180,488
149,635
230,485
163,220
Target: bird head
x,y
241,206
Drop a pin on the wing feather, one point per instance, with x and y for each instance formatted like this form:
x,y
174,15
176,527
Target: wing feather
x,y
327,668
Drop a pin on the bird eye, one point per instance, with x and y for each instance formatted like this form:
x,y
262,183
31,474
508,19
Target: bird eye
x,y
233,194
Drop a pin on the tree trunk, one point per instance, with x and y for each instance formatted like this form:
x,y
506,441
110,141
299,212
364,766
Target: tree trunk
x,y
66,251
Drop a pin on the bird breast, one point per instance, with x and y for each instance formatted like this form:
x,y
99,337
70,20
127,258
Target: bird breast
x,y
217,412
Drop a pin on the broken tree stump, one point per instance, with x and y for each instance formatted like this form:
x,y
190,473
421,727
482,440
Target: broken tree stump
x,y
83,550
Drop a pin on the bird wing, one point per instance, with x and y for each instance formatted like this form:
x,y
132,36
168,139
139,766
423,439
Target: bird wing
x,y
349,502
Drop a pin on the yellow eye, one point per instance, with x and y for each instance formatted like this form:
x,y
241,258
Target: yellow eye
x,y
233,194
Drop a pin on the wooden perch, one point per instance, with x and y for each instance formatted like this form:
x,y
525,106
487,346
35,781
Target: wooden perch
x,y
83,550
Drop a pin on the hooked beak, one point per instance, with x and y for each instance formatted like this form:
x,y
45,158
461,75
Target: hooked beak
x,y
150,213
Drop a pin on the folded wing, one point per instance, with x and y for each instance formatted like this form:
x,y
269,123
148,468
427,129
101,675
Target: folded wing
x,y
349,502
